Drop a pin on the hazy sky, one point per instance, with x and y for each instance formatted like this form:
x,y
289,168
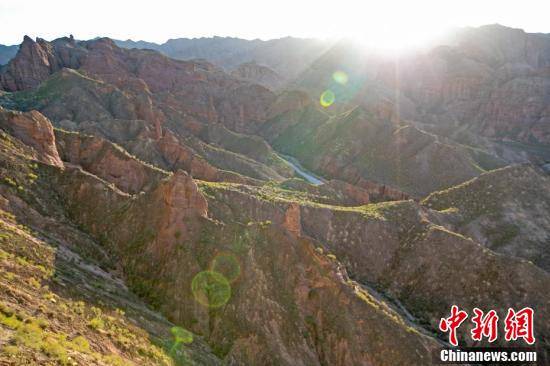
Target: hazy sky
x,y
384,21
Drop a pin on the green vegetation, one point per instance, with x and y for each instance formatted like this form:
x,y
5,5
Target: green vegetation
x,y
10,181
96,323
271,192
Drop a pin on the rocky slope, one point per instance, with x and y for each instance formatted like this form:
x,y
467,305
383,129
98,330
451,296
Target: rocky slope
x,y
63,300
504,209
184,104
169,223
493,80
365,145
480,83
87,98
209,257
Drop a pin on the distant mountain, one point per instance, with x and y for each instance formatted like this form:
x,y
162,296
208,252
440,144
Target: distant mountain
x,y
286,56
7,53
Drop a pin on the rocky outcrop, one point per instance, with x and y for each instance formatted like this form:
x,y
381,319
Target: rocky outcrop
x,y
180,192
179,156
396,256
152,105
355,195
29,69
36,61
34,130
378,192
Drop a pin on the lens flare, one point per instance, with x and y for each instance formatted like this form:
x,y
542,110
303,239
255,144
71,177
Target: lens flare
x,y
181,335
211,289
340,77
327,98
228,265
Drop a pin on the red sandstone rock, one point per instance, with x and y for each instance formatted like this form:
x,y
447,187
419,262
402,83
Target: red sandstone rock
x,y
107,161
354,194
181,157
292,219
35,130
181,192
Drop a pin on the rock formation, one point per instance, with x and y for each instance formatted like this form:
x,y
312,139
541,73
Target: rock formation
x,y
34,130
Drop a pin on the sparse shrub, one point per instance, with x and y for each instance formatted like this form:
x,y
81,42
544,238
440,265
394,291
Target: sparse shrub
x,y
78,307
115,360
49,296
10,321
80,344
4,255
29,335
310,320
10,181
10,351
6,310
265,224
96,323
23,262
52,348
34,282
42,323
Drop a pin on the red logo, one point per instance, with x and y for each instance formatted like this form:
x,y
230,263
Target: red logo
x,y
516,325
485,325
452,323
519,325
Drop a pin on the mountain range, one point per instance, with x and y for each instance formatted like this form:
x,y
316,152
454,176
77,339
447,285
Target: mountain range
x,y
286,202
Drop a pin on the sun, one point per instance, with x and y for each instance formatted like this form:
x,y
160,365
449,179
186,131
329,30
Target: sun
x,y
382,27
397,39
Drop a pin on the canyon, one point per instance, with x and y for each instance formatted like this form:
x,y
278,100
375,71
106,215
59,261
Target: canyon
x,y
175,204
